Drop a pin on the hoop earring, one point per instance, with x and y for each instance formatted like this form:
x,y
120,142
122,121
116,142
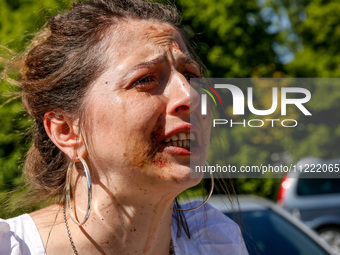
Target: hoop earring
x,y
89,192
206,200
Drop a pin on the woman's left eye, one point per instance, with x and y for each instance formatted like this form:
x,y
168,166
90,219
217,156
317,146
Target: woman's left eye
x,y
188,76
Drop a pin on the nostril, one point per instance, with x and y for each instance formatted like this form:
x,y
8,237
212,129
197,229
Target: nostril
x,y
182,108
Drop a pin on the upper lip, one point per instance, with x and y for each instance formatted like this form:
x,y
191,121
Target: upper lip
x,y
185,128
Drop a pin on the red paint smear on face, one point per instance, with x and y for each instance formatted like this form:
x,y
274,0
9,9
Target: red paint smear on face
x,y
175,46
166,31
152,28
159,162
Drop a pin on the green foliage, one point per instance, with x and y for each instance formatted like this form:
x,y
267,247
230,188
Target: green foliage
x,y
232,38
315,34
20,20
13,126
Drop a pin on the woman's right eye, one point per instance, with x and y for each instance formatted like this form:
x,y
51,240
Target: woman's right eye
x,y
145,82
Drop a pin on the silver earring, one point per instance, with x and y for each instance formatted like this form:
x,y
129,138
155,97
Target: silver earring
x,y
89,191
206,200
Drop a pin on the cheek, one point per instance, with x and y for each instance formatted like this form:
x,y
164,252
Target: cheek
x,y
123,132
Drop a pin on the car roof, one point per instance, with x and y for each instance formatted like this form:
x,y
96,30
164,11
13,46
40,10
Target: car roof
x,y
307,162
243,203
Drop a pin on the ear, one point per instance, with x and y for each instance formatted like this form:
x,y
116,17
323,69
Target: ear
x,y
64,133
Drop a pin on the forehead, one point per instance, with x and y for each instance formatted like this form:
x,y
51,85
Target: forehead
x,y
156,31
133,36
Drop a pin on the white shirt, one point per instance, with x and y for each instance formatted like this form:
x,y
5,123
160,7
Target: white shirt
x,y
212,233
20,236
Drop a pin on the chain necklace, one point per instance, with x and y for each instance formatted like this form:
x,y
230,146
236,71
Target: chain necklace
x,y
68,231
171,248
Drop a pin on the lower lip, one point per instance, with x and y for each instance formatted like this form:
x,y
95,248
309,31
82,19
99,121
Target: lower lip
x,y
179,151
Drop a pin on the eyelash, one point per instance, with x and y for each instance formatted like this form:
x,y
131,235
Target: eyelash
x,y
142,83
190,75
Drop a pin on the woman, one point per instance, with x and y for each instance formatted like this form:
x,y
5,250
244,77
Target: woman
x,y
107,85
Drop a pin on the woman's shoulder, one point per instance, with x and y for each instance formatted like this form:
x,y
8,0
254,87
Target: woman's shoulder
x,y
20,235
211,232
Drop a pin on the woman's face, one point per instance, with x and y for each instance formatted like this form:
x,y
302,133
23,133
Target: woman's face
x,y
140,111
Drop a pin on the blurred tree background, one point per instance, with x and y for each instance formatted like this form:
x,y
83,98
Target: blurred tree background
x,y
251,38
19,21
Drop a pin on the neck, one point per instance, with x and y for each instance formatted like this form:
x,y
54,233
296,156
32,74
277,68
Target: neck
x,y
124,222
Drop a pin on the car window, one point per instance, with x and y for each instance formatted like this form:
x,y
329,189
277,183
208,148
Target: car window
x,y
307,187
267,233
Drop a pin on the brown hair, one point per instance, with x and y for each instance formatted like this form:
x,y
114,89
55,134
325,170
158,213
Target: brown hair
x,y
63,60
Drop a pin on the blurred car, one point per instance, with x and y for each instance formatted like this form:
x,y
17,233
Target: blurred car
x,y
267,229
314,201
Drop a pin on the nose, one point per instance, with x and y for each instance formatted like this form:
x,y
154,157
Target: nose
x,y
183,98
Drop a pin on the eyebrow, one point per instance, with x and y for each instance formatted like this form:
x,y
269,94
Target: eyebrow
x,y
186,58
158,60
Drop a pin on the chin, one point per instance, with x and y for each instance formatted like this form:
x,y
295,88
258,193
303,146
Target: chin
x,y
184,176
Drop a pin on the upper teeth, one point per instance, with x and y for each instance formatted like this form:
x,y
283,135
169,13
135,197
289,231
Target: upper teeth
x,y
181,136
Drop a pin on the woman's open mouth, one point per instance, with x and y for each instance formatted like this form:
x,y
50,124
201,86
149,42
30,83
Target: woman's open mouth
x,y
182,144
182,140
